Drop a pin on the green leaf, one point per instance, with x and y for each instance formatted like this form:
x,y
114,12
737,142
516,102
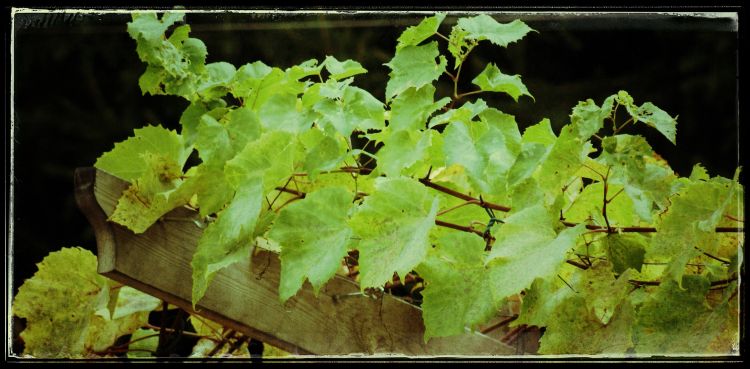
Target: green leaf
x,y
589,203
646,181
653,116
676,320
562,162
411,109
281,112
212,142
341,70
602,292
393,224
322,152
227,240
60,305
270,157
464,114
142,341
413,66
527,247
649,114
305,69
148,27
587,118
357,110
480,148
459,45
414,35
457,293
157,191
492,79
212,189
689,223
540,133
541,301
484,27
215,82
574,330
127,159
402,149
626,251
65,305
313,234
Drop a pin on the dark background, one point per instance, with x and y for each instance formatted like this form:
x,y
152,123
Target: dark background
x,y
76,88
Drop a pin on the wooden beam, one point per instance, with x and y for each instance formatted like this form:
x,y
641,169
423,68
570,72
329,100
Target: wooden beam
x,y
244,296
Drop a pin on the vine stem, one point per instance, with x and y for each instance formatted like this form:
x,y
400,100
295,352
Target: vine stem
x,y
489,205
499,324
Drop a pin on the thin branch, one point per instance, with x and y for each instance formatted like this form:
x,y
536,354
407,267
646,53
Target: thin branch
x,y
462,196
577,264
727,262
656,283
499,324
442,36
456,207
461,96
459,227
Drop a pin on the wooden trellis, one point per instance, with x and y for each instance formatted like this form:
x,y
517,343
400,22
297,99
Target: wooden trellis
x,y
244,296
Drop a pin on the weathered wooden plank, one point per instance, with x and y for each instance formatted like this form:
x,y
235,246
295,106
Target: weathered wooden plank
x,y
244,296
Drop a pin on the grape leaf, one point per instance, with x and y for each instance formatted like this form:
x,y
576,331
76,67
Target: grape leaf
x,y
280,112
653,116
126,160
492,79
573,329
562,162
413,66
464,114
540,133
214,83
541,300
144,342
589,204
481,148
227,240
626,251
402,149
484,27
393,224
306,68
457,294
270,157
149,27
527,247
663,329
411,108
60,305
357,110
602,292
587,118
313,234
459,45
414,35
689,223
322,152
646,181
157,191
65,305
212,141
341,70
649,114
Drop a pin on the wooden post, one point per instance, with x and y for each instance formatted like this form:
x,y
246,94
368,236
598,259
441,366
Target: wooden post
x,y
244,296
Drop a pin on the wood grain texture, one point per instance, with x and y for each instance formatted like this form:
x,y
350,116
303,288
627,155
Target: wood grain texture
x,y
244,296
